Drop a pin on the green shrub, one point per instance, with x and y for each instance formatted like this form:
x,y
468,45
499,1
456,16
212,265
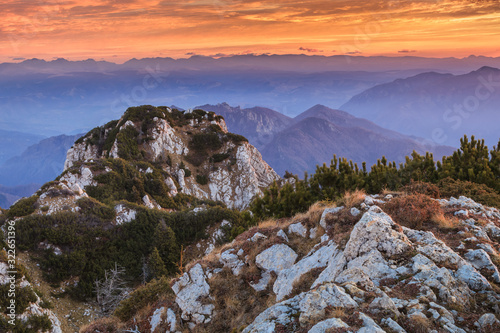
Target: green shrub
x,y
91,206
478,192
236,138
141,297
216,158
24,296
205,141
127,142
23,207
33,324
202,179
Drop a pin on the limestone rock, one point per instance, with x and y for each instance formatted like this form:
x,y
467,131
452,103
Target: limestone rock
x,y
322,221
124,214
328,324
276,258
297,228
488,319
481,260
156,318
231,260
473,278
171,320
287,277
307,305
375,230
189,289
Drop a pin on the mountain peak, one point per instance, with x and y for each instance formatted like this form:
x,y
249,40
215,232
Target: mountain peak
x,y
191,152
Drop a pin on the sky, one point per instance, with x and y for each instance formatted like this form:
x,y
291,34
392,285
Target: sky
x,y
119,30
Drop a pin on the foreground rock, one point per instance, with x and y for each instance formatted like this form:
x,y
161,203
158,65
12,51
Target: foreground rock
x,y
384,278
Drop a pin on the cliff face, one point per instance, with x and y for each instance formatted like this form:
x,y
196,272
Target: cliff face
x,y
194,153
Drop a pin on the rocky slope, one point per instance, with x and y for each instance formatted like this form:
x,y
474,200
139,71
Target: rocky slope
x,y
346,269
194,153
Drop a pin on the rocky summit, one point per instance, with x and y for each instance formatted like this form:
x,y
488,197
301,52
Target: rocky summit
x,y
193,152
345,269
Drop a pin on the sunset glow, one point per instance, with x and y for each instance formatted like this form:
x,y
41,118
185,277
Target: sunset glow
x,y
118,30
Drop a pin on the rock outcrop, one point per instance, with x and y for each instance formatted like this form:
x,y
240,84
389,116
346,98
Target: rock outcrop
x,y
234,173
385,278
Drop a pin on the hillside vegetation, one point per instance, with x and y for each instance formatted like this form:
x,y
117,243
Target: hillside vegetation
x,y
472,170
122,207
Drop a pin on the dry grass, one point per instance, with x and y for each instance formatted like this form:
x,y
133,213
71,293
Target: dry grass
x,y
103,325
336,312
236,303
305,281
445,223
416,324
352,199
269,223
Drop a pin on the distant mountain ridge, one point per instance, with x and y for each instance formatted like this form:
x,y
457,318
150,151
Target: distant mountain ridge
x,y
257,124
440,107
291,62
312,138
39,163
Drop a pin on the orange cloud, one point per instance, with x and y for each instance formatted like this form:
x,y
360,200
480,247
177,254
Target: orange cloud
x,y
140,28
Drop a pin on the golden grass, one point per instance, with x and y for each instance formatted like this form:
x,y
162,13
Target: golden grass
x,y
445,223
104,325
269,223
337,312
352,199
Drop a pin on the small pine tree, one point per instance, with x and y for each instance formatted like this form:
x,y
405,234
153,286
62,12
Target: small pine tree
x,y
156,264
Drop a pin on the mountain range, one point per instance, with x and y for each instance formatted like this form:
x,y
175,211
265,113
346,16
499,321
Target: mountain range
x,y
288,144
314,136
439,107
69,97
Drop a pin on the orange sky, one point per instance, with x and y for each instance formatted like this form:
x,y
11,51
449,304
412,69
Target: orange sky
x,y
118,30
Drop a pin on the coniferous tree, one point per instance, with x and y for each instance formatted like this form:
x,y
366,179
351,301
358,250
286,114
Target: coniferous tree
x,y
156,264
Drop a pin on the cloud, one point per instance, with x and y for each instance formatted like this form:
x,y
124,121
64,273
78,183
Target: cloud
x,y
18,58
354,52
309,50
132,27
